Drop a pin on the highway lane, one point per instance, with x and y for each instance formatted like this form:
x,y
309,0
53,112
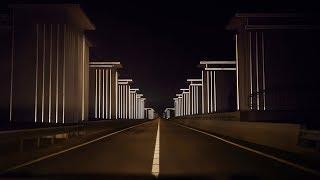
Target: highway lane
x,y
183,153
128,152
188,153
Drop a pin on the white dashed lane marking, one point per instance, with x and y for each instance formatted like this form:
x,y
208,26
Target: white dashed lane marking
x,y
156,156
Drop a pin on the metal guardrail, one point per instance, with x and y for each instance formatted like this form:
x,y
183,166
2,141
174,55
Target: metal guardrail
x,y
20,140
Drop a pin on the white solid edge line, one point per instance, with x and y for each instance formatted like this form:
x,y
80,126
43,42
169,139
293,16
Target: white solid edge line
x,y
69,149
300,167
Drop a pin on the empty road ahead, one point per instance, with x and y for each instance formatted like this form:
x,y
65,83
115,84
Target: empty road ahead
x,y
183,153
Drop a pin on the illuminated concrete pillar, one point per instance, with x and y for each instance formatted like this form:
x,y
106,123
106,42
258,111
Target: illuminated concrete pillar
x,y
142,108
104,90
138,106
124,98
185,102
169,112
175,106
149,113
133,104
195,95
44,62
210,69
179,105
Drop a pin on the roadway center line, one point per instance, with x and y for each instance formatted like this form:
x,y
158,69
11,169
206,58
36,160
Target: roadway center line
x,y
156,155
69,149
300,167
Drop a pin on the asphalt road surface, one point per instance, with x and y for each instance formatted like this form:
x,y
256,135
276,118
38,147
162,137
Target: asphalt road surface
x,y
183,153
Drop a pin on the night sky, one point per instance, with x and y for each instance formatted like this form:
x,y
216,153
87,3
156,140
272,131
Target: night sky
x,y
160,43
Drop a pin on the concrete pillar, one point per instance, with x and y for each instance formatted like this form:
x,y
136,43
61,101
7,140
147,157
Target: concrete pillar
x,y
103,90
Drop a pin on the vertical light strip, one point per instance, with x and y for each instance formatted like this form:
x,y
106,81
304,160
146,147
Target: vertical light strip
x,y
193,97
250,69
257,72
184,104
139,108
191,94
57,75
36,78
214,91
156,155
188,103
132,101
211,97
64,74
181,107
124,101
135,106
120,101
208,91
263,72
103,92
202,93
50,74
83,75
237,73
96,96
43,71
110,98
116,80
129,104
99,93
106,92
178,106
127,101
138,113
196,100
11,73
119,96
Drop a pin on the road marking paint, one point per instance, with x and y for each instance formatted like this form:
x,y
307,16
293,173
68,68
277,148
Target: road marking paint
x,y
300,167
156,155
69,149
